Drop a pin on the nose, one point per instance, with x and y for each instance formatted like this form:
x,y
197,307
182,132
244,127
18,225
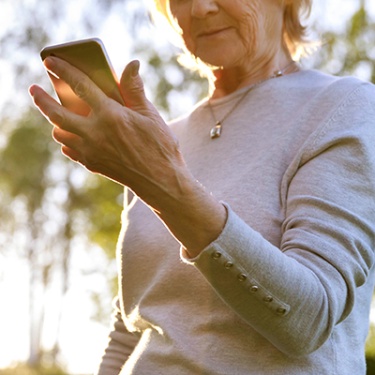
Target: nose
x,y
203,8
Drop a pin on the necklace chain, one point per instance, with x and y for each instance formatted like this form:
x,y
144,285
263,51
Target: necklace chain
x,y
216,131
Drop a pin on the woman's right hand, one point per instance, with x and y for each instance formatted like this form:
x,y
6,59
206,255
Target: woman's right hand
x,y
129,144
133,146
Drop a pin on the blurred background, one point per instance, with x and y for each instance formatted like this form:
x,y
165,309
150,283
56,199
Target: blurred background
x,y
58,223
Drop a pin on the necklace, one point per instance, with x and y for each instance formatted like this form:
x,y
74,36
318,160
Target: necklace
x,y
216,131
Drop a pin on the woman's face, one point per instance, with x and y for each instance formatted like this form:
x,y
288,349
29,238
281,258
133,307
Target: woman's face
x,y
228,33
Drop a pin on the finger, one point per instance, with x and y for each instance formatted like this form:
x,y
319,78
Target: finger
x,y
71,144
48,106
71,154
132,89
55,113
80,83
66,138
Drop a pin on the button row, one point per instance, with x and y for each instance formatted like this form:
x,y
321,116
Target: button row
x,y
253,287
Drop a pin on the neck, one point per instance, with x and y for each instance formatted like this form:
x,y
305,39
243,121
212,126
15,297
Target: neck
x,y
229,80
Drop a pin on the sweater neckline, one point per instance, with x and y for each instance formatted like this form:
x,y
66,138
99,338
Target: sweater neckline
x,y
234,95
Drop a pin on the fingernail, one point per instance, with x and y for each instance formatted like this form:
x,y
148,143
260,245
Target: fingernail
x,y
135,68
31,90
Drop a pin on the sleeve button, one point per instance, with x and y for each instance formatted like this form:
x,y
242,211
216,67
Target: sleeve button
x,y
242,277
216,255
254,289
228,265
281,311
268,299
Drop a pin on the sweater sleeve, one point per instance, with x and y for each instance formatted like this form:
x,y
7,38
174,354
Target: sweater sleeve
x,y
120,345
295,294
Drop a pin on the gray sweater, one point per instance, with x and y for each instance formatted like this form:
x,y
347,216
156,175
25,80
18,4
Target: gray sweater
x,y
287,286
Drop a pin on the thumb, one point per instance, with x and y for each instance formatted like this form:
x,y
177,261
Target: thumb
x,y
131,86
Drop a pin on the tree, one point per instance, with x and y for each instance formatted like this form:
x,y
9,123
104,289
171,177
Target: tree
x,y
352,51
46,203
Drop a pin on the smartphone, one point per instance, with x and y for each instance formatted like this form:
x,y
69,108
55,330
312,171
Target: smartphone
x,y
89,56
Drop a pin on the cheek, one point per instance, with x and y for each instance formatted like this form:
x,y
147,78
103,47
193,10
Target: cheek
x,y
250,26
181,22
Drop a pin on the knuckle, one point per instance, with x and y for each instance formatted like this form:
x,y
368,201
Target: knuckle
x,y
92,163
138,89
81,89
57,117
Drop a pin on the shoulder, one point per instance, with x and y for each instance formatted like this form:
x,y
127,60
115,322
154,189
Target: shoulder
x,y
338,88
345,107
322,97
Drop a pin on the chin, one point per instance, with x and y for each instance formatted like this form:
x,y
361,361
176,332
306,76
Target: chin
x,y
222,56
219,61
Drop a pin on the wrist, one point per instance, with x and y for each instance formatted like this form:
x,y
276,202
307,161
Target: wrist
x,y
193,216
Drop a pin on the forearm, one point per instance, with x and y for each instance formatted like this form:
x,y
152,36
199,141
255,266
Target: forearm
x,y
283,299
192,215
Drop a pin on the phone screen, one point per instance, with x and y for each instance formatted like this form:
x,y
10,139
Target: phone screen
x,y
90,57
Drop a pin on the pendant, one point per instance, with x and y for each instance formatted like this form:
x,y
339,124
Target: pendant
x,y
216,131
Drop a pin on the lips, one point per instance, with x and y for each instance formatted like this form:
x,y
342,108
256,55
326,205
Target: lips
x,y
212,32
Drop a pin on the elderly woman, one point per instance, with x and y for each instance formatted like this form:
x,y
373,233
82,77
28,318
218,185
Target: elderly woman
x,y
248,230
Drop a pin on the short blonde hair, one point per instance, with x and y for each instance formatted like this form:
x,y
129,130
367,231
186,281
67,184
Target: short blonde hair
x,y
295,32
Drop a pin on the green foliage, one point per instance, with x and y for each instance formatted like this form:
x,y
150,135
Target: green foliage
x,y
102,205
370,352
351,52
359,22
370,366
25,159
22,369
46,201
370,344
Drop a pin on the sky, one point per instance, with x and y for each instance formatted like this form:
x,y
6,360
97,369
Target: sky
x,y
82,339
